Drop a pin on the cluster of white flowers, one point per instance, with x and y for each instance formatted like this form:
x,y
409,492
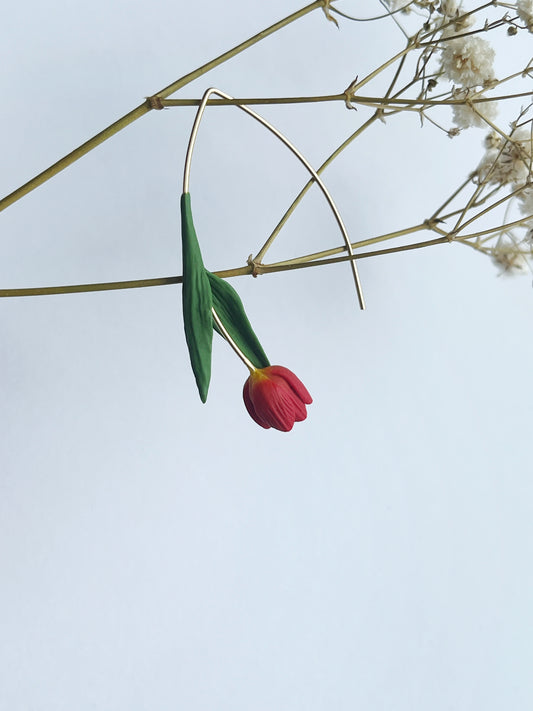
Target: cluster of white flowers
x,y
492,140
452,25
464,115
449,8
525,201
524,9
454,21
510,257
506,162
468,61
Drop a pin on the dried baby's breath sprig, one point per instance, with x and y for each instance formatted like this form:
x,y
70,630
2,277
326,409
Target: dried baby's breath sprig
x,y
509,256
447,48
509,162
464,113
524,9
525,202
468,61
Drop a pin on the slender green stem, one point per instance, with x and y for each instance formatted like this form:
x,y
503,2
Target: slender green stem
x,y
281,267
410,45
74,155
255,101
371,101
355,245
82,288
451,198
483,184
521,222
146,106
486,210
112,285
390,13
226,273
463,16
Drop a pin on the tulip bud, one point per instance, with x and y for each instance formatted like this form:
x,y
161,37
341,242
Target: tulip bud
x,y
275,397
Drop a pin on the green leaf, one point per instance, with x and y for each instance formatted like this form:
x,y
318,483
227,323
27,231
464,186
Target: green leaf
x,y
228,305
197,301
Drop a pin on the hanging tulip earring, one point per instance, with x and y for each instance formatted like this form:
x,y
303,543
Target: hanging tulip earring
x,y
273,395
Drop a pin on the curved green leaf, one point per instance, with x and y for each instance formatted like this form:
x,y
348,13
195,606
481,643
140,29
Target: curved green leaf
x,y
197,301
230,310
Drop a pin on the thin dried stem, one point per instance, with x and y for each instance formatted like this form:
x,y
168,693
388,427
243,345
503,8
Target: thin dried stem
x,y
148,105
224,274
369,101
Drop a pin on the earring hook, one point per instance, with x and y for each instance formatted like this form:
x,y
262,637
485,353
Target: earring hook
x,y
295,151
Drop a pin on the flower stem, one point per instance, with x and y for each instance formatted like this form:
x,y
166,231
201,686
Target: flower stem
x,y
255,101
370,101
521,222
283,267
486,210
247,362
223,274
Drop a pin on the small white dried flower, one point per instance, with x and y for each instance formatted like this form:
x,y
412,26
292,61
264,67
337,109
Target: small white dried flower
x,y
468,61
510,258
449,8
510,164
525,12
492,140
455,23
464,116
525,202
398,5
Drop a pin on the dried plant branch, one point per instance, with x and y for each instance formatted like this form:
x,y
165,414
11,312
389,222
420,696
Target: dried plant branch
x,y
148,105
418,68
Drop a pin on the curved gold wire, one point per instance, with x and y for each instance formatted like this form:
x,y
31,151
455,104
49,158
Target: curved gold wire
x,y
301,158
247,362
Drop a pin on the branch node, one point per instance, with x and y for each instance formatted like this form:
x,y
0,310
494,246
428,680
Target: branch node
x,y
256,266
327,12
349,94
155,102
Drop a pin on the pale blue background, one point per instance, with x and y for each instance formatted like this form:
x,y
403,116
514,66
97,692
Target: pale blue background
x,y
157,553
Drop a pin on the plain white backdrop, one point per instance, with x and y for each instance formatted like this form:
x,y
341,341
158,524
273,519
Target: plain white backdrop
x,y
157,553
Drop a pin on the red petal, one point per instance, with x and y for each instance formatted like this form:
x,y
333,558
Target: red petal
x,y
275,397
272,403
295,383
300,413
250,406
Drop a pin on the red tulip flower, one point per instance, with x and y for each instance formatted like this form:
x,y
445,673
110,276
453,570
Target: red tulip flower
x,y
275,397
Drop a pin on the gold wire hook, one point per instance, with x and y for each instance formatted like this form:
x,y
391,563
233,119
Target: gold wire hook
x,y
301,158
